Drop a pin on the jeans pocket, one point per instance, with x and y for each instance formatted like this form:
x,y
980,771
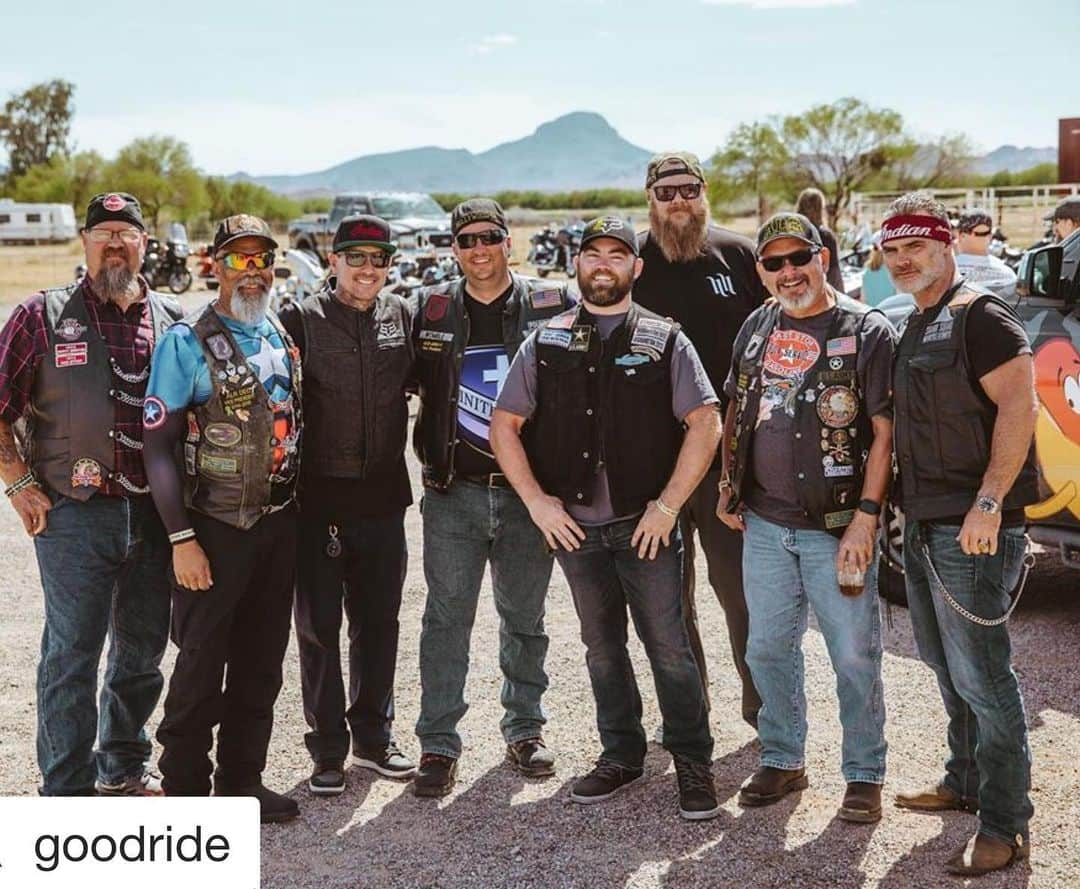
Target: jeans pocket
x,y
1015,545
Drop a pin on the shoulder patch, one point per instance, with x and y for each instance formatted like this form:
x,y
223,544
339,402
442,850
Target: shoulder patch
x,y
545,299
650,337
554,337
563,321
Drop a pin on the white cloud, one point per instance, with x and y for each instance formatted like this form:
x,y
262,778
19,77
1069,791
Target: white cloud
x,y
494,41
780,4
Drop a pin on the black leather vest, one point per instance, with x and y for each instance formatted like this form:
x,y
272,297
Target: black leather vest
x,y
833,433
943,424
440,335
604,400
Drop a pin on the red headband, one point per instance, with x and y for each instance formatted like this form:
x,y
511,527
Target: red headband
x,y
915,225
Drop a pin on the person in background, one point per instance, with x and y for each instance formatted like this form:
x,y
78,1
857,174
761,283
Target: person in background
x,y
811,204
876,283
974,228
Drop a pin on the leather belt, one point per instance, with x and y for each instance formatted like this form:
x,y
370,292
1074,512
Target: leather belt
x,y
490,480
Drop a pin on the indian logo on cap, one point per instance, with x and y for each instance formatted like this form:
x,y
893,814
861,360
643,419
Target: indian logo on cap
x,y
362,231
113,203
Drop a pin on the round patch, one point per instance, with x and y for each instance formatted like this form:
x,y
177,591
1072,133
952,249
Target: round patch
x,y
86,473
223,435
837,406
154,413
836,363
113,203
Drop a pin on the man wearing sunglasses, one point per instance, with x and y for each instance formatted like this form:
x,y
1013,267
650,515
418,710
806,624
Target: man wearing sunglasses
x,y
224,396
973,260
355,341
73,368
806,458
465,334
703,276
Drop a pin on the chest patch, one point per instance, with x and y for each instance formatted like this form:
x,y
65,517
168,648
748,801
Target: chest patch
x,y
559,338
70,329
837,406
650,337
72,354
545,299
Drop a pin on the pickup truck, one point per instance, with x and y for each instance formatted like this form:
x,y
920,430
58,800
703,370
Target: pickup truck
x,y
1048,301
419,226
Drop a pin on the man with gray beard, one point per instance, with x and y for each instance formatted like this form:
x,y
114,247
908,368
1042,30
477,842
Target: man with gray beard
x,y
73,368
703,277
225,392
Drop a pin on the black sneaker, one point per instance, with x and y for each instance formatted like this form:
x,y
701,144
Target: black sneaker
x,y
436,775
273,807
697,793
606,779
531,758
327,779
388,761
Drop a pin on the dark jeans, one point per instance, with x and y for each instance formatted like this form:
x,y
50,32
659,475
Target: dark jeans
x,y
465,528
234,634
989,756
723,550
606,577
367,577
105,574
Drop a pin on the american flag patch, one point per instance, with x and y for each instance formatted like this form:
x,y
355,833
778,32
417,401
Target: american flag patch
x,y
845,345
545,299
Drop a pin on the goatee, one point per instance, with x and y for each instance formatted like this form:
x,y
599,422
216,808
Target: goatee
x,y
682,240
116,283
250,310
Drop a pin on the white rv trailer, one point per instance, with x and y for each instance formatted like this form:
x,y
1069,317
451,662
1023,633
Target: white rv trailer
x,y
36,223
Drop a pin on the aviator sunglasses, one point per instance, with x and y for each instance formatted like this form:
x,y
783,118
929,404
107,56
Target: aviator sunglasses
x,y
489,238
238,262
358,260
798,259
687,192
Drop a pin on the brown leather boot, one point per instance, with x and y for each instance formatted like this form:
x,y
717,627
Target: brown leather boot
x,y
769,785
862,803
983,854
936,799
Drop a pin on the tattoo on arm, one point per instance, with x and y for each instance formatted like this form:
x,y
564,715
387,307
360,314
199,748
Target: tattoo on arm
x,y
8,452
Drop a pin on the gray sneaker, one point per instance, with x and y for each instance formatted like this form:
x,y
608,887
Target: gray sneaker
x,y
146,784
388,761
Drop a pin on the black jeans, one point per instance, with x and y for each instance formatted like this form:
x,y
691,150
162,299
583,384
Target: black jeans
x,y
367,576
235,634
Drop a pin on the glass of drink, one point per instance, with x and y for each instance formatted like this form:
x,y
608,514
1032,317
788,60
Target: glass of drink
x,y
851,579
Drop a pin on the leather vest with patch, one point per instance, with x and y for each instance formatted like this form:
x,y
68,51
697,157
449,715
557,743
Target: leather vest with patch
x,y
441,334
604,400
833,433
229,448
72,413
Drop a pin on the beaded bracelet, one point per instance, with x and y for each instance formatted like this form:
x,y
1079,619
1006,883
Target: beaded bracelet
x,y
666,510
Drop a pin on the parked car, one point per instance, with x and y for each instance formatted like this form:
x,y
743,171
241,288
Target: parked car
x,y
36,223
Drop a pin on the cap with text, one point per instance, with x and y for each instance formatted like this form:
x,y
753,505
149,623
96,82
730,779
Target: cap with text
x,y
610,227
363,231
787,225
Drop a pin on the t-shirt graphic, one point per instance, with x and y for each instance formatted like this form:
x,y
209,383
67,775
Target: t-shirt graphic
x,y
482,374
789,356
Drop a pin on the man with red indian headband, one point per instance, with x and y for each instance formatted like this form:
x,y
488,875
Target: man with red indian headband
x,y
73,367
224,394
806,464
965,415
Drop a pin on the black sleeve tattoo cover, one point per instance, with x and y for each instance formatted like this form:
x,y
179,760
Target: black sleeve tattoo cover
x,y
163,472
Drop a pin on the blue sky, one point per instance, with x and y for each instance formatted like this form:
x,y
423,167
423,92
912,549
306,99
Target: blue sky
x,y
265,88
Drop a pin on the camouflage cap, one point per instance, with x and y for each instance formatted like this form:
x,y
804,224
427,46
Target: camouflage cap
x,y
476,210
673,163
242,225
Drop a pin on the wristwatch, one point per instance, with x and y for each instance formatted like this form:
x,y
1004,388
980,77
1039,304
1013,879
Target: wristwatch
x,y
870,507
988,505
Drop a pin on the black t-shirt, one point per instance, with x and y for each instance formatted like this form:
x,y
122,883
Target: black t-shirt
x,y
710,296
832,275
482,373
344,499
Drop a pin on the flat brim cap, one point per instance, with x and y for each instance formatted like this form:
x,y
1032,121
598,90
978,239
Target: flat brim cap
x,y
477,210
363,230
1067,209
787,225
242,225
114,206
610,227
673,163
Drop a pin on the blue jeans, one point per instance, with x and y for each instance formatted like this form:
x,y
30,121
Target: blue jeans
x,y
465,528
105,567
785,570
989,756
606,576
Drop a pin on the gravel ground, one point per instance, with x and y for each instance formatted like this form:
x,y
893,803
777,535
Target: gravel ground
x,y
499,829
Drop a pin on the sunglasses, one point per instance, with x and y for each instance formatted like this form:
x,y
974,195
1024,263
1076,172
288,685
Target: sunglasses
x,y
358,260
980,232
687,192
238,262
489,238
103,235
798,259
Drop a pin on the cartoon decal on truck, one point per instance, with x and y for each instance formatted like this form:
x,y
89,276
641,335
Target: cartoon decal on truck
x,y
1057,430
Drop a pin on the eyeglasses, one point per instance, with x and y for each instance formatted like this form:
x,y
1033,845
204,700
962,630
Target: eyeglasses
x,y
798,259
104,235
488,238
358,260
238,262
979,232
687,192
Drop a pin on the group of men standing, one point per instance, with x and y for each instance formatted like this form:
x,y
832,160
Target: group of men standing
x,y
702,383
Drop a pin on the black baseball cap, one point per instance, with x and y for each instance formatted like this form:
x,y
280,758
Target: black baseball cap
x,y
242,225
788,225
971,218
114,206
610,227
1067,209
673,163
477,210
363,231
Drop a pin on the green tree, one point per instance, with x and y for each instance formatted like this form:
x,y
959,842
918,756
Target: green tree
x,y
35,125
753,161
159,172
65,180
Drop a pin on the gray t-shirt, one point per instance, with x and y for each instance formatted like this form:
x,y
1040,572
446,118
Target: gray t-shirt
x,y
792,350
690,389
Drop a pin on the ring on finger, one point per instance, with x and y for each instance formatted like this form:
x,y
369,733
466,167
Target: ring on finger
x,y
984,545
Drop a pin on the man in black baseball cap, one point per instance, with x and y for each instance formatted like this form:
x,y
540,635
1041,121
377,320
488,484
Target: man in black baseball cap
x,y
788,225
610,227
114,206
1065,218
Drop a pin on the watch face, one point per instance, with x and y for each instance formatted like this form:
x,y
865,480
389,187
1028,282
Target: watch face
x,y
987,504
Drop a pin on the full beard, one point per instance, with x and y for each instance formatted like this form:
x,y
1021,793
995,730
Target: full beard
x,y
116,283
604,294
250,310
682,241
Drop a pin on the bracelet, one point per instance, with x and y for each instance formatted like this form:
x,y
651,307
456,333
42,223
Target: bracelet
x,y
725,482
20,484
181,536
666,510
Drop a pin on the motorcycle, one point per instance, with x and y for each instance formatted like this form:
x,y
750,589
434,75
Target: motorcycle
x,y
444,269
404,276
167,266
1000,248
553,249
301,275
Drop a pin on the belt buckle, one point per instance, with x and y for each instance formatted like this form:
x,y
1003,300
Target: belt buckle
x,y
497,475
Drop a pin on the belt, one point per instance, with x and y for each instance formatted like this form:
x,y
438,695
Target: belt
x,y
489,480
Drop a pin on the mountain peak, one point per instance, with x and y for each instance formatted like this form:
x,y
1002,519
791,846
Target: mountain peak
x,y
577,123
